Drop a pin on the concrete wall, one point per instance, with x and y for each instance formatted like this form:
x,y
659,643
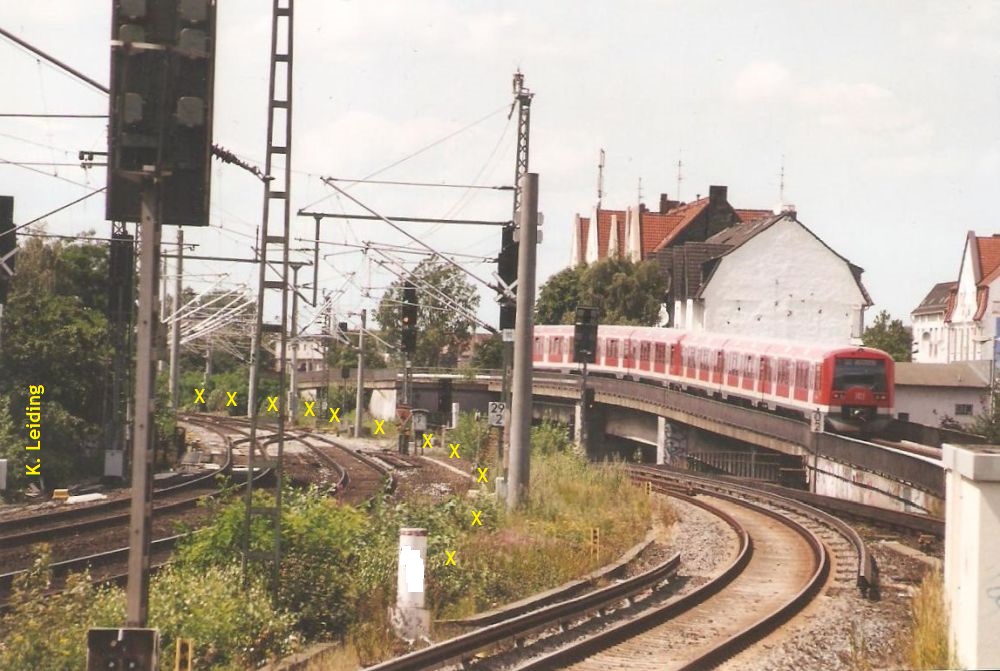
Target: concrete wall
x,y
784,283
972,553
846,482
929,405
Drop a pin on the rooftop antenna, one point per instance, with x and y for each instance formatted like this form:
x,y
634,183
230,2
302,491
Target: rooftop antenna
x,y
600,178
781,184
680,177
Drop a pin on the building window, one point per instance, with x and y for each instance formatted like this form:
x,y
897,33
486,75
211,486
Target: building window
x,y
963,409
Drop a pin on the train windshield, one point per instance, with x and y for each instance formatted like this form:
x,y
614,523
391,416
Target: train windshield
x,y
869,373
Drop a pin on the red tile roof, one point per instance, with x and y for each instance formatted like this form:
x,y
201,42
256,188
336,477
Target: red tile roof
x,y
989,259
679,219
747,216
604,231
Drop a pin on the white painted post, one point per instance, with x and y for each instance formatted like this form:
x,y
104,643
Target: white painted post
x,y
972,552
454,416
661,440
410,619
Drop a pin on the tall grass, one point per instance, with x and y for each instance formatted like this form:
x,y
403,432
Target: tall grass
x,y
929,644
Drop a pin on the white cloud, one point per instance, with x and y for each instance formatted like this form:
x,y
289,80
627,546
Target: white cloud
x,y
760,80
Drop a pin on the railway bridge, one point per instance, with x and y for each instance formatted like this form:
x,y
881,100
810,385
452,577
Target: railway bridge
x,y
669,426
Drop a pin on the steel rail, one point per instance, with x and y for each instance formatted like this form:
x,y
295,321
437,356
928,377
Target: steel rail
x,y
558,614
867,569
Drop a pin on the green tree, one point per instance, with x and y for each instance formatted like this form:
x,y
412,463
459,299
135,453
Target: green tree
x,y
442,330
890,336
624,291
489,353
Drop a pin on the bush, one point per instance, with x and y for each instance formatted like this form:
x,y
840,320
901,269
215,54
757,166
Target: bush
x,y
929,645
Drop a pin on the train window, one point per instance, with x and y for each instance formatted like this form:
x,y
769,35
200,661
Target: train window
x,y
719,361
856,372
783,372
816,377
750,370
538,349
660,352
644,351
734,363
801,374
689,357
611,350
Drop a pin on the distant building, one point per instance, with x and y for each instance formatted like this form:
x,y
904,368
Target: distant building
x,y
969,326
930,333
636,233
929,393
772,277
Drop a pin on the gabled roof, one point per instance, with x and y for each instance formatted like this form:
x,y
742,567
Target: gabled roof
x,y
737,236
676,220
989,259
582,236
936,300
748,216
604,230
958,374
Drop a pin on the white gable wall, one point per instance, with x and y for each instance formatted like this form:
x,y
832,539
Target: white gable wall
x,y
964,332
930,338
785,283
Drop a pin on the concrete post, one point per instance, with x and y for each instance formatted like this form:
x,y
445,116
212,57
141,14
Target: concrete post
x,y
520,424
454,416
578,418
175,325
411,619
972,552
293,377
359,403
661,440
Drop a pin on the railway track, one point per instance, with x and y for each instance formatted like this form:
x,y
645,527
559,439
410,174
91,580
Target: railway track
x,y
779,565
78,532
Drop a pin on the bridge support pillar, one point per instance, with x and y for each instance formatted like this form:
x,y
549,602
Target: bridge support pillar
x,y
676,440
661,440
972,552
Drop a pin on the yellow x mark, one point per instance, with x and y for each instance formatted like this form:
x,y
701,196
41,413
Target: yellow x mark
x,y
378,427
309,409
475,517
454,451
427,440
232,398
482,474
272,403
333,415
451,557
198,396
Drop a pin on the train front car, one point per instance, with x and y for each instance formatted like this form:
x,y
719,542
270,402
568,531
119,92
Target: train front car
x,y
859,386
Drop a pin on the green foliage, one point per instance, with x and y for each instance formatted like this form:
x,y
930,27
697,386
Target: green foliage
x,y
890,336
320,542
550,437
231,628
473,434
46,632
345,355
624,291
441,330
489,354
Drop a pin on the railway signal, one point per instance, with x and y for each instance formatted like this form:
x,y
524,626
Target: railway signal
x,y
408,319
585,335
162,62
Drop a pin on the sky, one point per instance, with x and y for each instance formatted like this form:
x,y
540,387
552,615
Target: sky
x,y
884,115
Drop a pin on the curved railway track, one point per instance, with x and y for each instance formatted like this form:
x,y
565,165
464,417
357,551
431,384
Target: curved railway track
x,y
779,565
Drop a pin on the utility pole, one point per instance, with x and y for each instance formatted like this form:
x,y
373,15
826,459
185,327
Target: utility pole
x,y
507,261
520,430
163,304
175,324
293,378
137,592
359,404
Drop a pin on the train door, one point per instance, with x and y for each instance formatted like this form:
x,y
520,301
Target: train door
x,y
783,377
800,384
660,357
628,355
611,352
644,348
538,351
720,363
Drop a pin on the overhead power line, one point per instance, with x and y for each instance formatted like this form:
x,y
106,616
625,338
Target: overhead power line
x,y
441,185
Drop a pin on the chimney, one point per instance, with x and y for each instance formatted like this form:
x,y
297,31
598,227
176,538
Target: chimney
x,y
717,195
664,203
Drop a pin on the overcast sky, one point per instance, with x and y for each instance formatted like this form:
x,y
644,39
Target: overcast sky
x,y
885,114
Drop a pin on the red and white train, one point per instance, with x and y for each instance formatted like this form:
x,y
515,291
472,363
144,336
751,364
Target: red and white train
x,y
852,387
